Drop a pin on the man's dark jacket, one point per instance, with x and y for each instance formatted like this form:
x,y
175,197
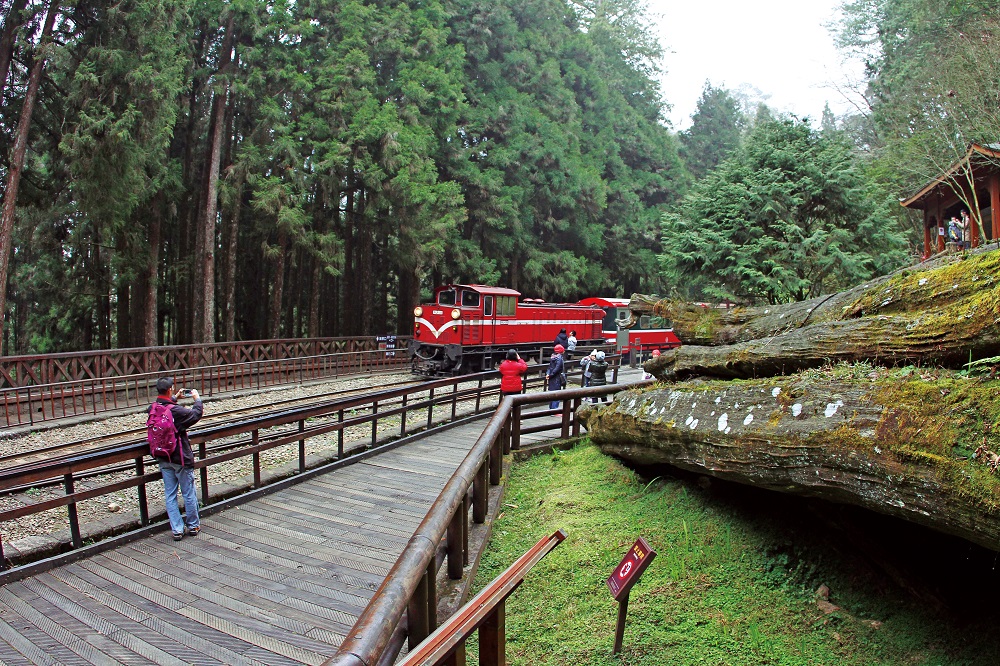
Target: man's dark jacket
x,y
184,418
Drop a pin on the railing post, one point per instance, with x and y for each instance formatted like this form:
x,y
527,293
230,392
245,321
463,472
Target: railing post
x,y
430,408
302,447
4,565
515,428
454,400
416,615
505,435
480,493
254,441
374,423
74,519
496,460
430,576
140,469
340,436
576,418
564,431
614,374
455,546
202,454
479,394
465,530
402,416
492,638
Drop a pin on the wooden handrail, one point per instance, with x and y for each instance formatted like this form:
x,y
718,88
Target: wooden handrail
x,y
478,611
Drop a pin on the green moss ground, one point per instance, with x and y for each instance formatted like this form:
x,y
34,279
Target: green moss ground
x,y
731,584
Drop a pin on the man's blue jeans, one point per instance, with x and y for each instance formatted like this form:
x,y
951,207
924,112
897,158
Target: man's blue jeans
x,y
173,476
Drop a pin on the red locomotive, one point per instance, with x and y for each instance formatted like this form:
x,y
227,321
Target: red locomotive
x,y
470,327
647,334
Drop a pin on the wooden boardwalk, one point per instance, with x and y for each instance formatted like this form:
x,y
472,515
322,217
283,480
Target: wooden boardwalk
x,y
275,581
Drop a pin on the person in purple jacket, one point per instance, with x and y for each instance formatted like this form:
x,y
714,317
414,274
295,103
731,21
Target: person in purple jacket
x,y
178,469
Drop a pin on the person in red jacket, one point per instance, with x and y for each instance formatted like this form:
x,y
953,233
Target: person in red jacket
x,y
510,371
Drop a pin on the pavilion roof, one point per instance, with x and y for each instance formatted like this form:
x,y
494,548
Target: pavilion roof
x,y
989,151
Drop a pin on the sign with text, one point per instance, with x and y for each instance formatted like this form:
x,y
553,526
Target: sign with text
x,y
629,570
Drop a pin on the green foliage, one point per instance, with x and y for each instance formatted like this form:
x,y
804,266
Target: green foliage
x,y
715,132
789,217
728,585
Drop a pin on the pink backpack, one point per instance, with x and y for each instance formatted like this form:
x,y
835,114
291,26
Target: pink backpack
x,y
160,431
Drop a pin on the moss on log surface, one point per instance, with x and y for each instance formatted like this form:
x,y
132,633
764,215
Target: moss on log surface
x,y
899,441
942,314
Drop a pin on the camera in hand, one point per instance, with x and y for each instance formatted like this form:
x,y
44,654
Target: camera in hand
x,y
187,393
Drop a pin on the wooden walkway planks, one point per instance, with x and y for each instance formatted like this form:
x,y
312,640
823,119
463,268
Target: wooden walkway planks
x,y
275,581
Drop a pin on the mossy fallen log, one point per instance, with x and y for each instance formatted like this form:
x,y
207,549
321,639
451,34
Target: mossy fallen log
x,y
890,441
945,314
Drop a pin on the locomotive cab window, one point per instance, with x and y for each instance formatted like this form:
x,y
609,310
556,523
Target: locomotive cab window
x,y
446,297
487,306
470,299
505,306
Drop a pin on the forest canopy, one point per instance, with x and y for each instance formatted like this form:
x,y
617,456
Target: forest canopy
x,y
219,170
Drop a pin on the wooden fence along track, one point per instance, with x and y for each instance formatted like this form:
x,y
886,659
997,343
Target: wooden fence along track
x,y
35,389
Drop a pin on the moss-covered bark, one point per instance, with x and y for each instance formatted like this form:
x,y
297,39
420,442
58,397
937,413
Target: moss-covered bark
x,y
895,442
945,314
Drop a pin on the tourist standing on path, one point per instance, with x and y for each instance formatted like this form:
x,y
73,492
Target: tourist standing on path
x,y
510,373
570,345
178,468
561,339
599,374
554,377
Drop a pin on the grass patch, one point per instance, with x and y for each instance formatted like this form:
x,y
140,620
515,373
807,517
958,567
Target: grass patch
x,y
728,586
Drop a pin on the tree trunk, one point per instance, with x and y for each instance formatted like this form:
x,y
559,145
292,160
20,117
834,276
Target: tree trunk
x,y
229,250
17,155
893,445
406,300
943,314
152,282
279,285
11,23
206,241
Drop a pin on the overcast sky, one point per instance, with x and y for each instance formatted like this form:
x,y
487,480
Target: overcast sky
x,y
780,47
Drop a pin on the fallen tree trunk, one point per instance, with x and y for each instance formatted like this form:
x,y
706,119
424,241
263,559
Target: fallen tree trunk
x,y
902,446
943,315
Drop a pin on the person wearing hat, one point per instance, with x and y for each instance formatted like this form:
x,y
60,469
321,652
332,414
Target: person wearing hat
x,y
599,374
554,377
562,339
178,469
510,373
655,354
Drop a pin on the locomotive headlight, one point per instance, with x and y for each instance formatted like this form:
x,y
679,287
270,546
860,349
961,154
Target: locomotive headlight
x,y
418,311
456,313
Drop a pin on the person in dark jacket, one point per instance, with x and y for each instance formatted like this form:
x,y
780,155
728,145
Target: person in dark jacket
x,y
178,470
554,373
510,373
562,339
599,374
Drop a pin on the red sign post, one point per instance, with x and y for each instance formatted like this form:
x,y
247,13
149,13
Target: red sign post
x,y
626,575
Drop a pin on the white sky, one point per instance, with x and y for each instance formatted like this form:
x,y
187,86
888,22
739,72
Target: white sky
x,y
779,47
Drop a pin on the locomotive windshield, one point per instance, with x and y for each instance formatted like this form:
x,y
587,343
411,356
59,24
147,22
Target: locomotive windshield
x,y
470,299
446,297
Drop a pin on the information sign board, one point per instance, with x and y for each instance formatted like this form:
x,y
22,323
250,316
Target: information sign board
x,y
629,570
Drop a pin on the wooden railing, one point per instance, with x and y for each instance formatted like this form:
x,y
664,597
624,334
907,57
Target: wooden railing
x,y
485,613
30,405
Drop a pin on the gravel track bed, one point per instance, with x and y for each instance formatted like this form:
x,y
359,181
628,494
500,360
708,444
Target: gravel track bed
x,y
122,508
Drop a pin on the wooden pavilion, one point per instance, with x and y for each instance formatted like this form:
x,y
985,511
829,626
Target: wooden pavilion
x,y
972,184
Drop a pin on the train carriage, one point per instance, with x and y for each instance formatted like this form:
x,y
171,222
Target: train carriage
x,y
470,327
647,334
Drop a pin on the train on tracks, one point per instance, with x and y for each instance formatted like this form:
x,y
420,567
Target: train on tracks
x,y
645,335
470,327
